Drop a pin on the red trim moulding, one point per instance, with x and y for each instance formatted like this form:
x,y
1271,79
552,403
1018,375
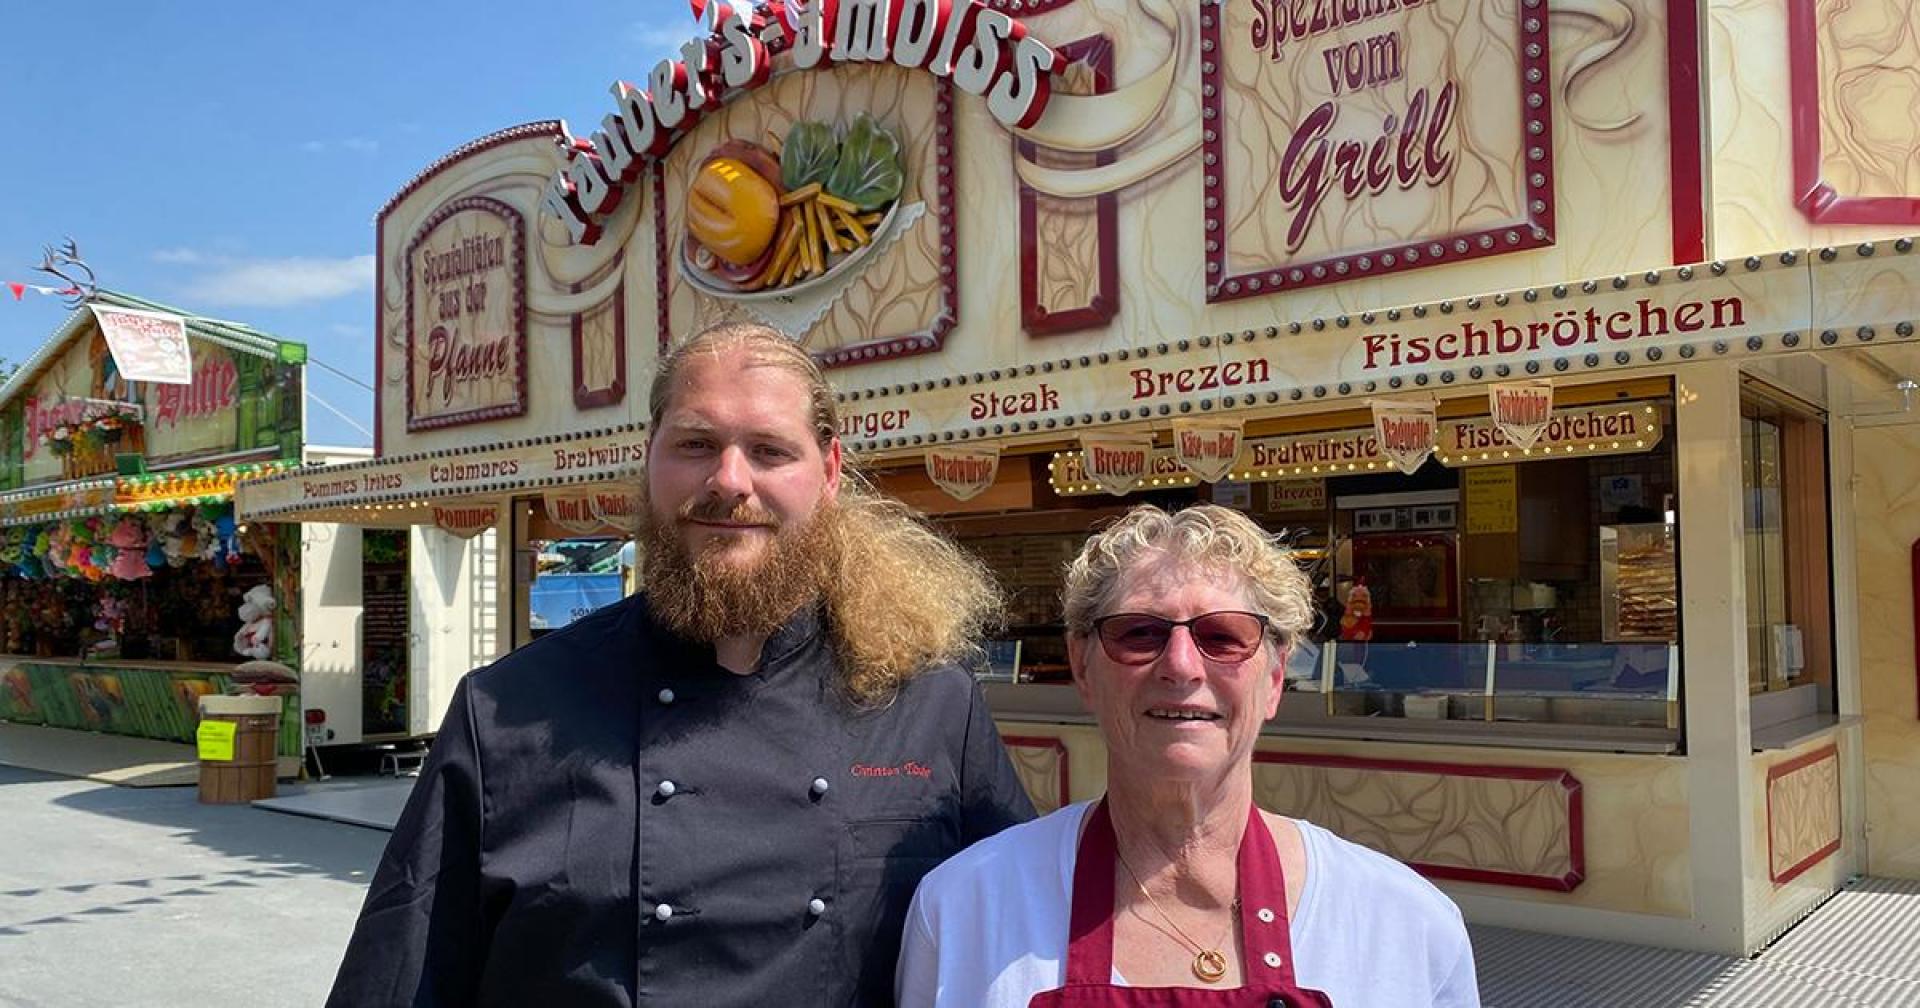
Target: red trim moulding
x,y
1097,50
1686,145
1576,813
379,335
1776,772
663,308
584,398
1045,742
1813,195
518,272
929,340
1533,229
1026,8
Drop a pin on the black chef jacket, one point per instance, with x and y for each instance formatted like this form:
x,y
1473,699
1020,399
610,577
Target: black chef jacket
x,y
608,817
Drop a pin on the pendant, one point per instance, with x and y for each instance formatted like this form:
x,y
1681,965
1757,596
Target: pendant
x,y
1209,965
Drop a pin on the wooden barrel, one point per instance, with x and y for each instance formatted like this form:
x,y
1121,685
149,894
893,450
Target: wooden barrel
x,y
249,775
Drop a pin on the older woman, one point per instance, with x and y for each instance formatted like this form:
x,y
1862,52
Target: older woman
x,y
1175,890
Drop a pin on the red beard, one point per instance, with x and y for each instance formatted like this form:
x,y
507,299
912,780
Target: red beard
x,y
709,595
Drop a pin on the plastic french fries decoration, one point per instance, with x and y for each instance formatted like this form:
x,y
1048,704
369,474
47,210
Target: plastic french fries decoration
x,y
757,221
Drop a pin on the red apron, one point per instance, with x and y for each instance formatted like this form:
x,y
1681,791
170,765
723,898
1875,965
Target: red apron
x,y
1266,952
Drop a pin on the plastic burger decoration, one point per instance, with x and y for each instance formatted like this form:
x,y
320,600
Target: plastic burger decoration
x,y
982,51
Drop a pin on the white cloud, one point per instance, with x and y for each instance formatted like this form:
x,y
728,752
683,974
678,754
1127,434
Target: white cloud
x,y
355,145
274,283
179,256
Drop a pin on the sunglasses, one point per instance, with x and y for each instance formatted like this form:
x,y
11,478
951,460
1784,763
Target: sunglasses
x,y
1139,638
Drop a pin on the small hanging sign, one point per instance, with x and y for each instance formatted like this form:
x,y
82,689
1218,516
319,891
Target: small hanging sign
x,y
146,346
573,511
618,508
466,521
963,473
1406,432
1117,464
1208,448
1521,410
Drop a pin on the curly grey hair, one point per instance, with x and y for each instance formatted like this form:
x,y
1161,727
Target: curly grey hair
x,y
1205,537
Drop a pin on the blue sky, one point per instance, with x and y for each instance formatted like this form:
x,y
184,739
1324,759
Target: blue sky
x,y
227,158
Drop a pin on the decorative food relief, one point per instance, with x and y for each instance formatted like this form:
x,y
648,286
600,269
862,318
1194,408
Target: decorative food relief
x,y
762,224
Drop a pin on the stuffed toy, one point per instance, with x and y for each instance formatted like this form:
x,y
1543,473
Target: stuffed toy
x,y
228,536
53,547
130,565
1356,624
183,543
255,639
128,533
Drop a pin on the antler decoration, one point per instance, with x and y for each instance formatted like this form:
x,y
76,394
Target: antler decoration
x,y
64,262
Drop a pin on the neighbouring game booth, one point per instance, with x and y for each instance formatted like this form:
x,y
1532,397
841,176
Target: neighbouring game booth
x,y
1594,464
127,588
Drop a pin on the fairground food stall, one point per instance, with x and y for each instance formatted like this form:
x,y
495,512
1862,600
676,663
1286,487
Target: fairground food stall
x,y
127,587
1568,360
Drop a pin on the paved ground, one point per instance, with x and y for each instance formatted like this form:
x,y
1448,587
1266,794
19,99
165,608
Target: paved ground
x,y
116,896
112,896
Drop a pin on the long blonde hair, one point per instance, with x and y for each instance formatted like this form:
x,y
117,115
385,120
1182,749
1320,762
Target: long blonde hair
x,y
900,597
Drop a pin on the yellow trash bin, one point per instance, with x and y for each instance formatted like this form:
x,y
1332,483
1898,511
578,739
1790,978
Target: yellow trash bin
x,y
238,739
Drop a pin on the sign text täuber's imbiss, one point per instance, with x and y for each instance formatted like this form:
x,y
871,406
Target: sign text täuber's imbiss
x,y
982,51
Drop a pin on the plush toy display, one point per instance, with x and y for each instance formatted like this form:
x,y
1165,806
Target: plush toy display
x,y
255,639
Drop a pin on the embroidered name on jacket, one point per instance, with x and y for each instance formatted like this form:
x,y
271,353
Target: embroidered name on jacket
x,y
906,769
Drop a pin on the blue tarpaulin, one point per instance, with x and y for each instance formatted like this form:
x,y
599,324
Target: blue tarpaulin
x,y
559,599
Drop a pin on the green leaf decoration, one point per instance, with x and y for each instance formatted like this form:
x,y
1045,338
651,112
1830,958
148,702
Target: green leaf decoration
x,y
868,173
808,155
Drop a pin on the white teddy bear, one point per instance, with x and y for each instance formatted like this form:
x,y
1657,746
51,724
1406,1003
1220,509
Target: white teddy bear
x,y
255,639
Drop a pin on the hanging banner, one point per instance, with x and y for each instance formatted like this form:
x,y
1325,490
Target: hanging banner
x,y
1521,410
618,508
466,521
1208,448
147,346
572,510
1068,474
1115,464
963,472
1406,432
1616,428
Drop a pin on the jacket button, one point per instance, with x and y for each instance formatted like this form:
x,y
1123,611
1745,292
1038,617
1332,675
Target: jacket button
x,y
1265,915
816,906
820,786
666,696
1272,959
662,912
666,789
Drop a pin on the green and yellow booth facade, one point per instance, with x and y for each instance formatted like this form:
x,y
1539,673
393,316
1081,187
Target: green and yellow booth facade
x,y
1577,392
122,566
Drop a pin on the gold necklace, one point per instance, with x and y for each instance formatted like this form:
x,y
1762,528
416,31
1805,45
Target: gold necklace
x,y
1209,963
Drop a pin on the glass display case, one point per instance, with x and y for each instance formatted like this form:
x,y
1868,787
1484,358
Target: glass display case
x,y
1612,686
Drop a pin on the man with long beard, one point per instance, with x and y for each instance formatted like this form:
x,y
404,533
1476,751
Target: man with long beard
x,y
721,791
